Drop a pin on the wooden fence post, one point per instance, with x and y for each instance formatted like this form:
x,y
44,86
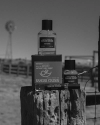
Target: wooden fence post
x,y
26,99
47,111
18,69
52,107
77,109
27,70
64,107
10,66
1,67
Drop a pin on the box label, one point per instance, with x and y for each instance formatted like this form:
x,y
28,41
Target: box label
x,y
48,72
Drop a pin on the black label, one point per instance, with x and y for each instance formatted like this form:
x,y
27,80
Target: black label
x,y
47,42
70,79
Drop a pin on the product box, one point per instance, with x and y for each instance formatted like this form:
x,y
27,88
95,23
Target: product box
x,y
46,70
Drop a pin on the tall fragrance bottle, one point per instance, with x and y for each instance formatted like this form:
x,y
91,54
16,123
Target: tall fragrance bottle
x,y
70,74
47,39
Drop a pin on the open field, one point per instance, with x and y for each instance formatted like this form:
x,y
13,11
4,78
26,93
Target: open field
x,y
10,99
10,86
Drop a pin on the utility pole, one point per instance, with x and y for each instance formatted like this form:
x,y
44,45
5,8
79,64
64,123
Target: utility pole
x,y
99,58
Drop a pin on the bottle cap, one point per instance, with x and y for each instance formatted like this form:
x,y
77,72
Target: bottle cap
x,y
70,64
46,24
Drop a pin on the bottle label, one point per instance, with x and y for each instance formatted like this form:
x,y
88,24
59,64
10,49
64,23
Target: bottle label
x,y
47,42
71,79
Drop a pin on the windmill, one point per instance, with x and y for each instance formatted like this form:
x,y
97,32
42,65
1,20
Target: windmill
x,y
9,26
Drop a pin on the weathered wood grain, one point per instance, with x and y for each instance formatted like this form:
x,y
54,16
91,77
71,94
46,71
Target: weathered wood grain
x,y
56,107
64,105
26,97
77,108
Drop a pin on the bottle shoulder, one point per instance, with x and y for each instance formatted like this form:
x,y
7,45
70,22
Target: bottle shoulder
x,y
46,33
72,72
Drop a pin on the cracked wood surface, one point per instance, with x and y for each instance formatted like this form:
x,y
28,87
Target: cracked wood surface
x,y
57,107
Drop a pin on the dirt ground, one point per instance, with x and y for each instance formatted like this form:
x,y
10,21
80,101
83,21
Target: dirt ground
x,y
10,101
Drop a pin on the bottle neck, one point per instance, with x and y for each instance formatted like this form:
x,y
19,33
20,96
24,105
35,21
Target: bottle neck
x,y
46,30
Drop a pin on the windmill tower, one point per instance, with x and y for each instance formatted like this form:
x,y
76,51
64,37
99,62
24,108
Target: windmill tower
x,y
9,26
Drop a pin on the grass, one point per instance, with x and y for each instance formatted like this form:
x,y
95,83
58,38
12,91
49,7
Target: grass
x,y
10,86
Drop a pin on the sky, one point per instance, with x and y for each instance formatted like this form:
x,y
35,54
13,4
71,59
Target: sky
x,y
74,21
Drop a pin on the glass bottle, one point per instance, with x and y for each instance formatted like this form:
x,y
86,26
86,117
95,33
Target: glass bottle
x,y
46,39
70,74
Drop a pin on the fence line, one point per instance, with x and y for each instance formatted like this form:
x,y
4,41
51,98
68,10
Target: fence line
x,y
26,70
18,69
